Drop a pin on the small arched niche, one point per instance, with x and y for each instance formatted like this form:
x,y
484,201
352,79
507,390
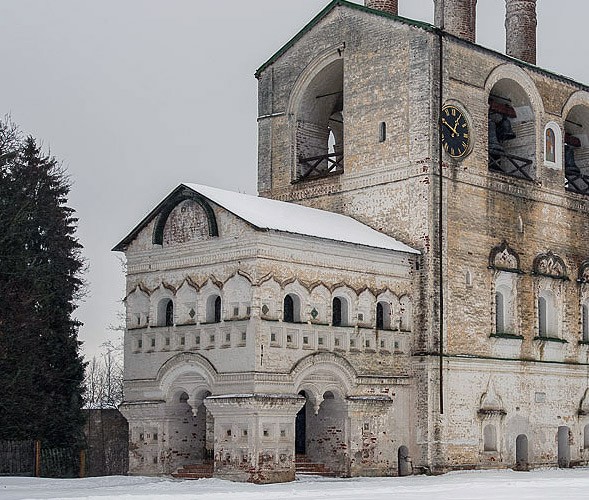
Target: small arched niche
x,y
552,146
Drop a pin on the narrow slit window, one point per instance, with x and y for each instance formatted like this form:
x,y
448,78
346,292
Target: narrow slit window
x,y
382,132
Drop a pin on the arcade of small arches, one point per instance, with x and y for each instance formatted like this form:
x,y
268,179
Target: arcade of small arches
x,y
193,428
215,302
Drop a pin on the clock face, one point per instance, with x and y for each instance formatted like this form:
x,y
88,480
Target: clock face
x,y
455,132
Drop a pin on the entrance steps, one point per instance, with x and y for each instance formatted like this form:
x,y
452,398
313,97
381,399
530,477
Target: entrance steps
x,y
305,467
199,470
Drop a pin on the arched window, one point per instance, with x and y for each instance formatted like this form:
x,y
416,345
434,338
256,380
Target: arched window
x,y
170,313
547,316
505,303
383,315
218,309
291,312
165,312
489,438
382,132
339,311
499,313
542,326
336,319
213,313
585,323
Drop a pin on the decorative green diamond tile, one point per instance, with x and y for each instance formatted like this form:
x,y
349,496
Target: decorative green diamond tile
x,y
192,313
314,313
265,309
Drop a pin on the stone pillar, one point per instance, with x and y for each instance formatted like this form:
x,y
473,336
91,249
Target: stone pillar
x,y
373,438
520,26
255,436
457,17
146,456
390,6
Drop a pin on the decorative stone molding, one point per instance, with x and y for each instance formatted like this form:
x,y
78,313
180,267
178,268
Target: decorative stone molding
x,y
550,265
184,215
584,272
584,404
339,369
186,362
491,404
504,258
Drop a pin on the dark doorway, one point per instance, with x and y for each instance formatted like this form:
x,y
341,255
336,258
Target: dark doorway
x,y
564,448
301,428
521,452
404,462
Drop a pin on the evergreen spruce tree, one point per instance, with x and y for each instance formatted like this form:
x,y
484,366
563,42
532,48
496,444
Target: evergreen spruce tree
x,y
40,267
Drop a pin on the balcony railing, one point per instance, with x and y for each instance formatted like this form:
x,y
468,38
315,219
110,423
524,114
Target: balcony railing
x,y
322,165
509,164
576,182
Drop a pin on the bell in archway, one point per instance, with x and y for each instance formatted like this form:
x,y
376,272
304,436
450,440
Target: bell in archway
x,y
495,146
504,130
570,165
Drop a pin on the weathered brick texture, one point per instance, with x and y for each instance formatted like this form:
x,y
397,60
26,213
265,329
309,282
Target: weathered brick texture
x,y
520,25
390,6
457,17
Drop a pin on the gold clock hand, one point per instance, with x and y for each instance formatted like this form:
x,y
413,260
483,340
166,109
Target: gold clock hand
x,y
453,129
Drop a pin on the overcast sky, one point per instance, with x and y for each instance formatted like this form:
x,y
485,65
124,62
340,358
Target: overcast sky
x,y
137,96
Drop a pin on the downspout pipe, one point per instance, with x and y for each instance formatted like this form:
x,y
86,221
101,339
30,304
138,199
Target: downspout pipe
x,y
441,214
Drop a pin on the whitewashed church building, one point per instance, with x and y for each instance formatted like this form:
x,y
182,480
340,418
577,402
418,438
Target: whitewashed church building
x,y
410,291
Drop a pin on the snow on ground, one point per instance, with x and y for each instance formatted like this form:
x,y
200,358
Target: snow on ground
x,y
570,484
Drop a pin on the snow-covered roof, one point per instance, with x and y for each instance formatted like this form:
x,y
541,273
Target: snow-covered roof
x,y
273,215
268,214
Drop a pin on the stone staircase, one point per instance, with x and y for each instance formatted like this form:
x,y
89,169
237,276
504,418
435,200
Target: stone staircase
x,y
199,470
304,467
